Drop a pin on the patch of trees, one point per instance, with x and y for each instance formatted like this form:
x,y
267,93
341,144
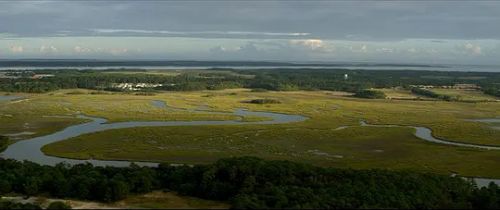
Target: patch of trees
x,y
371,94
249,182
493,90
100,80
58,205
431,94
4,142
264,101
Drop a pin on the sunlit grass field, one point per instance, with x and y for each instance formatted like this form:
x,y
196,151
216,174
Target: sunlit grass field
x,y
315,140
399,93
465,95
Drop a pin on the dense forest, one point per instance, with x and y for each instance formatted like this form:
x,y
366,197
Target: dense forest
x,y
249,182
266,79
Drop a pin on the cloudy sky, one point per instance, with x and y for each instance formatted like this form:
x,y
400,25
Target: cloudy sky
x,y
464,32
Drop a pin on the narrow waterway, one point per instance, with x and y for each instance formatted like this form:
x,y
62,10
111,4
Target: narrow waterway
x,y
9,97
426,134
30,149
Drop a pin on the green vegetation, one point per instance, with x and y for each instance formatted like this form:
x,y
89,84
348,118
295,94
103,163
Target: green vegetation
x,y
252,183
313,141
168,200
492,89
58,205
431,94
4,142
264,101
268,79
14,205
359,147
465,95
371,94
362,156
259,90
454,94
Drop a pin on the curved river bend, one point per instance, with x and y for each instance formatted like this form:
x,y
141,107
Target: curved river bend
x,y
426,134
30,149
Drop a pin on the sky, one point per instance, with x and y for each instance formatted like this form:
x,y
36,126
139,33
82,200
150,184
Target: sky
x,y
433,32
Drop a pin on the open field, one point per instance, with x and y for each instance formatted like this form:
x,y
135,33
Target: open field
x,y
394,93
315,141
466,95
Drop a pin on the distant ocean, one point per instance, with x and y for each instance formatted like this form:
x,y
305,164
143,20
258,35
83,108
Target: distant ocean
x,y
173,65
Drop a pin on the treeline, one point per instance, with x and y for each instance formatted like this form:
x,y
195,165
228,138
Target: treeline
x,y
249,182
492,89
267,79
431,94
100,80
334,79
371,94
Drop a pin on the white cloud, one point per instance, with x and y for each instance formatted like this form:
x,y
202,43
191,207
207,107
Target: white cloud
x,y
247,49
362,49
16,49
165,32
432,51
218,49
412,50
48,49
314,45
118,51
385,50
472,49
78,49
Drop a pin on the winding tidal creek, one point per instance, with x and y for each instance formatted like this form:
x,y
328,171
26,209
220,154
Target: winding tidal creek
x,y
30,149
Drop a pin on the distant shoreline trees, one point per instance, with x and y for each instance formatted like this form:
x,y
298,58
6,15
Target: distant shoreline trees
x,y
258,79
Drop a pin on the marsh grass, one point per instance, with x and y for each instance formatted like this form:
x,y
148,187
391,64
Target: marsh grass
x,y
313,141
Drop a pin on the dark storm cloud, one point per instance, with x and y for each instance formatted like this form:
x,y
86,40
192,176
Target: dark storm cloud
x,y
359,20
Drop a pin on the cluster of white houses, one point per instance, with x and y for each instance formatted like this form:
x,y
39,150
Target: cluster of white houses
x,y
456,86
135,86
